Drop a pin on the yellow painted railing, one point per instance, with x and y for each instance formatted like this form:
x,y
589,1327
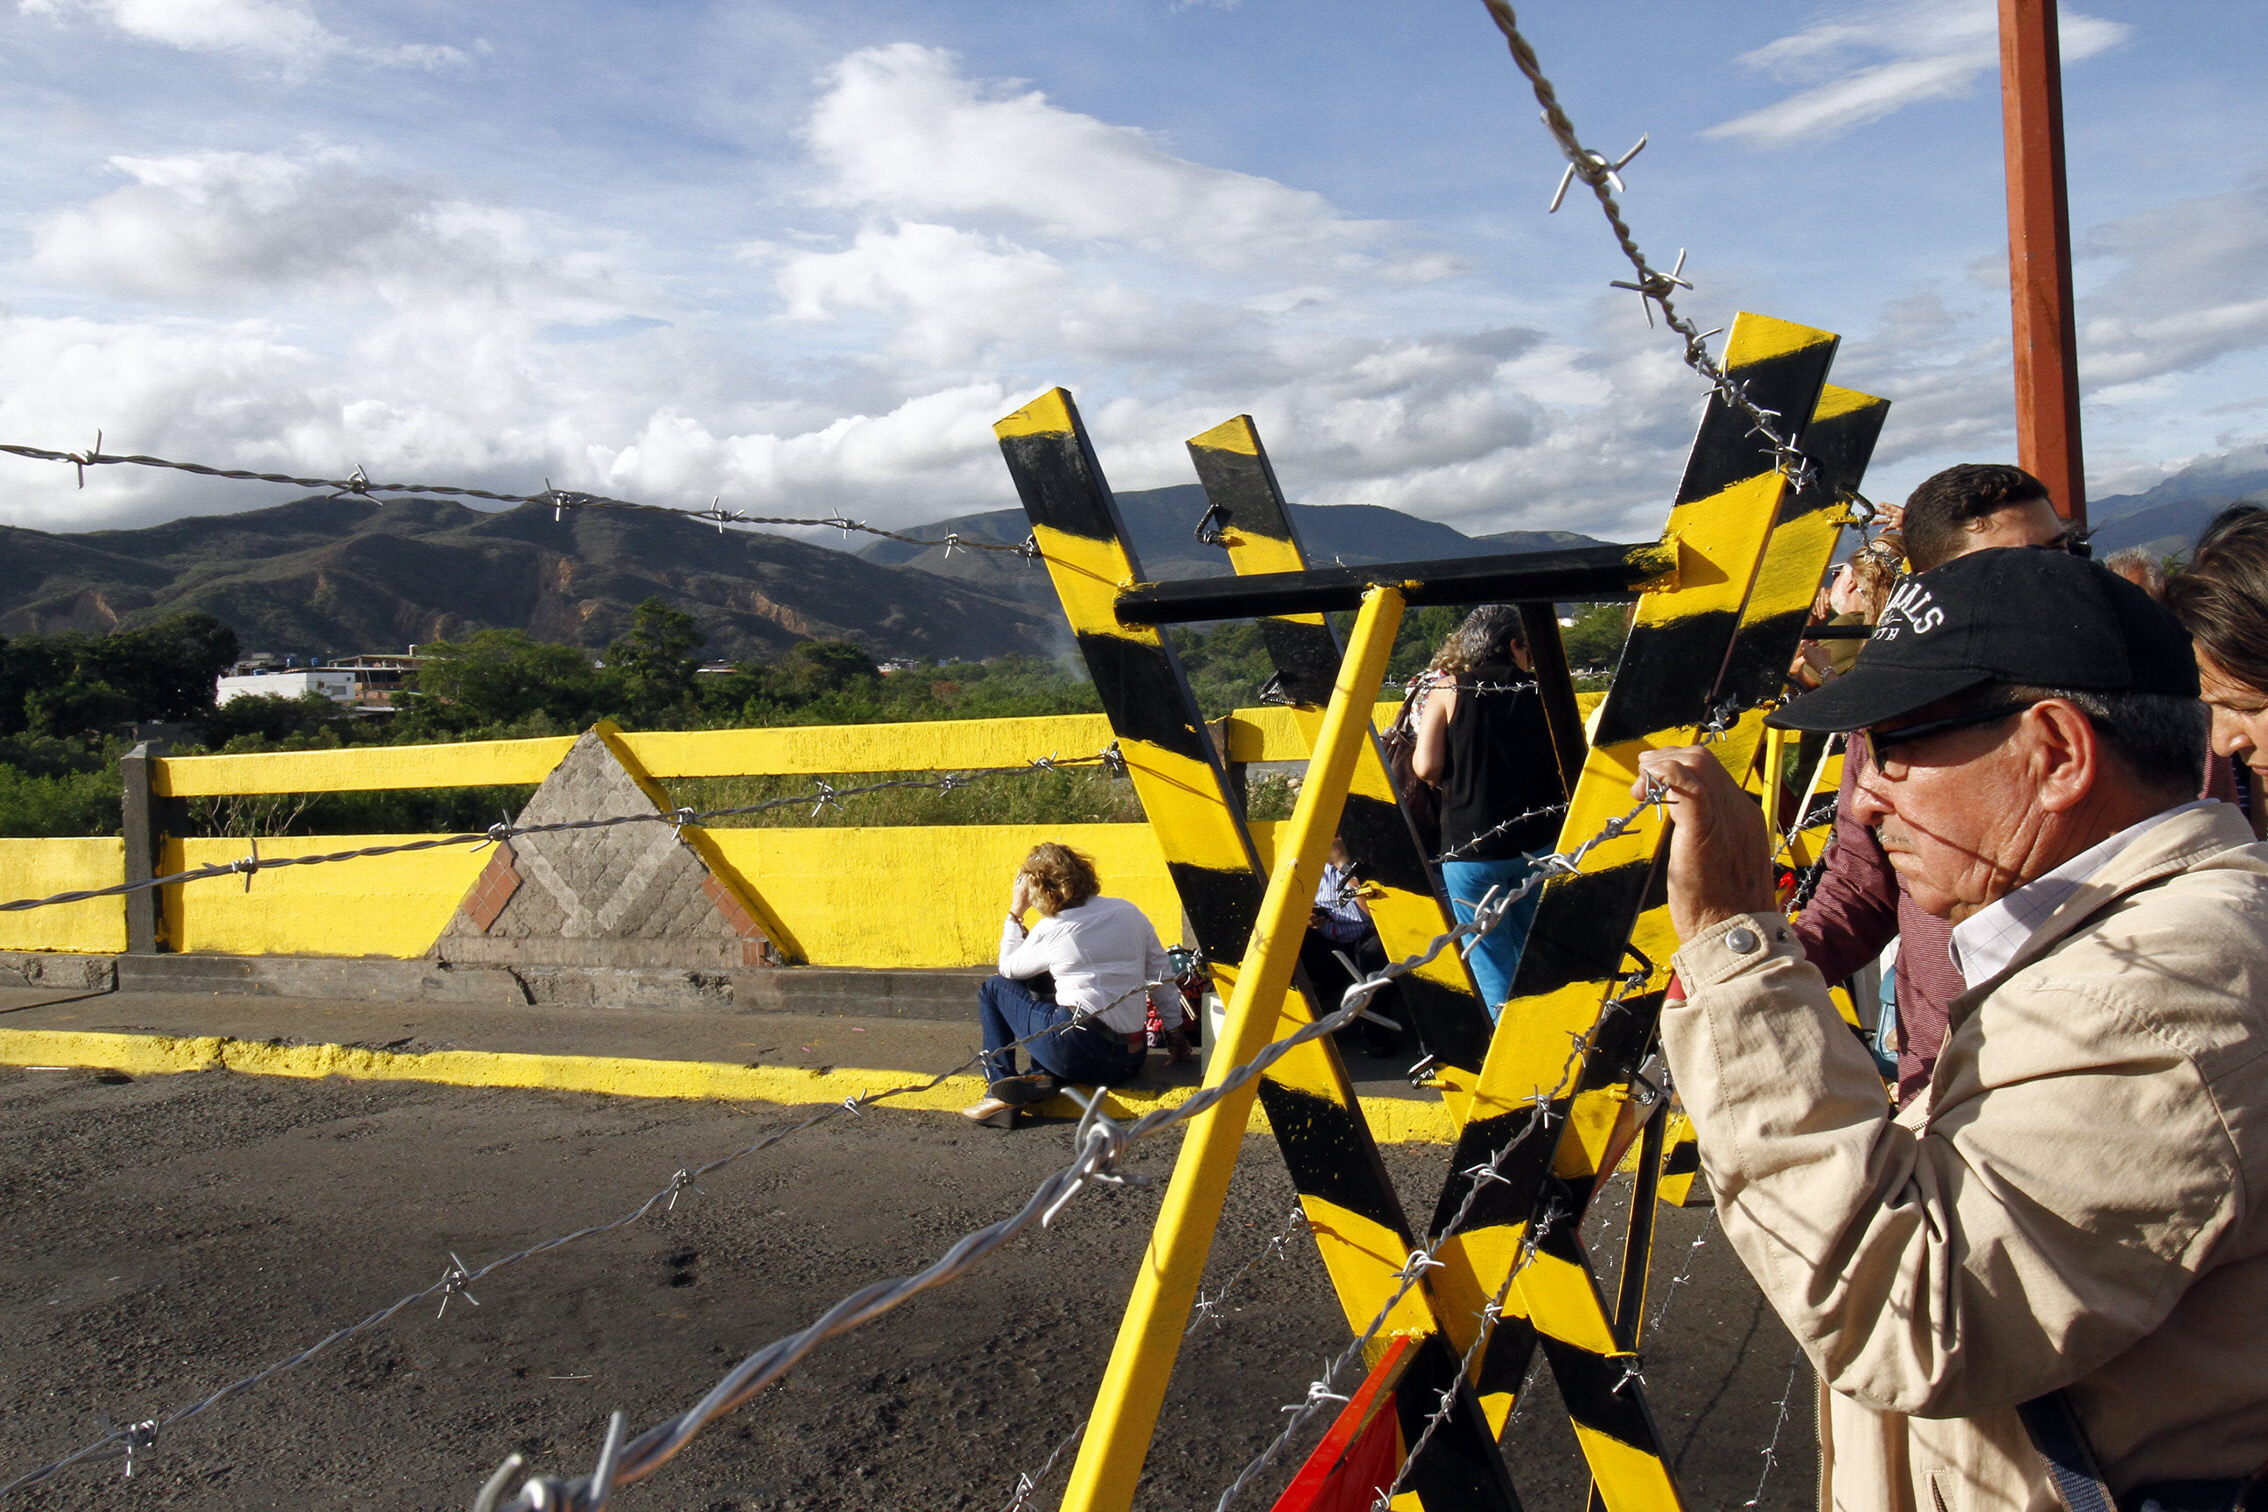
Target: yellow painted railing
x,y
359,769
906,896
929,746
36,868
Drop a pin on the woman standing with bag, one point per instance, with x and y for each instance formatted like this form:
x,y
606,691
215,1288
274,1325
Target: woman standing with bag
x,y
1483,741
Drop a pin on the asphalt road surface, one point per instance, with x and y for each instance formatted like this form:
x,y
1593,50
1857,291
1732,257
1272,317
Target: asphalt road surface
x,y
164,1236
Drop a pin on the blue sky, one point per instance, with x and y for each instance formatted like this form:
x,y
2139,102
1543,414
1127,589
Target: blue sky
x,y
799,255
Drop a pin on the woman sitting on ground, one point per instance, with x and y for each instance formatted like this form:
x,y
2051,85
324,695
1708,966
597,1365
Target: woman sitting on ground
x,y
1090,957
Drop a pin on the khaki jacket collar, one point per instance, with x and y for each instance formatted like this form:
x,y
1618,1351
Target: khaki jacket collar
x,y
2163,850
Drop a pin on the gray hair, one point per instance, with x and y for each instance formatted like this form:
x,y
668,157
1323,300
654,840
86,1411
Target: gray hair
x,y
2161,737
1488,634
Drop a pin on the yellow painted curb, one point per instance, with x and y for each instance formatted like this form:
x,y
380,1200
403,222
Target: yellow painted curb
x,y
1393,1120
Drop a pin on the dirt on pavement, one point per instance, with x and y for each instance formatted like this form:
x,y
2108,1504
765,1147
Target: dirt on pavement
x,y
166,1235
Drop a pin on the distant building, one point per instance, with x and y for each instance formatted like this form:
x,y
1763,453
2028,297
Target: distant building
x,y
339,687
365,682
379,675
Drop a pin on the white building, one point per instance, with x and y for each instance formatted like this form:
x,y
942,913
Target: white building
x,y
338,686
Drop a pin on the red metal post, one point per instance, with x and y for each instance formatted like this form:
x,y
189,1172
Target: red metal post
x,y
2039,254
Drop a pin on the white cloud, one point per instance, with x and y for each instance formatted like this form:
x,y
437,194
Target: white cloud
x,y
2184,288
1875,60
905,133
854,360
285,34
223,226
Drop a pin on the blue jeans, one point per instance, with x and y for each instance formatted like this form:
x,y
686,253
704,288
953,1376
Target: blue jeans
x,y
1091,1056
1496,958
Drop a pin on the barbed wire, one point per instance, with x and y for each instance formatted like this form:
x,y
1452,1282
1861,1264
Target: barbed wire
x,y
1772,1445
1207,1309
1029,1483
1491,833
1492,1311
1685,1271
1100,1144
1491,911
359,486
1425,1258
458,1278
821,795
1655,288
1208,1306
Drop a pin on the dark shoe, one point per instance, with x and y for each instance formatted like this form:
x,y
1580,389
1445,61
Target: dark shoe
x,y
1023,1091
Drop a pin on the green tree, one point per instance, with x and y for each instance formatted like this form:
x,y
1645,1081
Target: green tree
x,y
77,685
504,678
830,666
1594,641
270,718
166,670
653,664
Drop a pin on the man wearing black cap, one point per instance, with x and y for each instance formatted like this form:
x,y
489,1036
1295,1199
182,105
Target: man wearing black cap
x,y
2069,1225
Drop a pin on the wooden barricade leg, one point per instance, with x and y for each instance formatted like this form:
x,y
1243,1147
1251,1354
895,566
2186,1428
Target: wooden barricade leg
x,y
1769,624
1259,538
1559,1020
1444,1008
1840,441
1351,1206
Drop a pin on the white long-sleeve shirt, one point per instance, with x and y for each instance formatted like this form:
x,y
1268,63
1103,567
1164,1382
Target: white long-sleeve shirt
x,y
1098,953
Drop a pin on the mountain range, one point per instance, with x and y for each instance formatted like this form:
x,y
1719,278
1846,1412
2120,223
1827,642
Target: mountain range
x,y
324,576
1162,525
2165,519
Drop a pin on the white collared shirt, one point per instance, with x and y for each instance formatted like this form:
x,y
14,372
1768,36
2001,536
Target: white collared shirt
x,y
1100,952
1985,942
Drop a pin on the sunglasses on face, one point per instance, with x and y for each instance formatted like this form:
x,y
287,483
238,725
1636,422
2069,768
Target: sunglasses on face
x,y
1878,748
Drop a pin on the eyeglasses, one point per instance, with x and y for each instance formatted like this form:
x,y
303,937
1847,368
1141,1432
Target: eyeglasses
x,y
1874,747
2072,541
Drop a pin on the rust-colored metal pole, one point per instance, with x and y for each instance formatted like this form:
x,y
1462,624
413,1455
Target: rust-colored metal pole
x,y
2039,255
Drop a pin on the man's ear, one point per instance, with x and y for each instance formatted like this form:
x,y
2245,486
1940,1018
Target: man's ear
x,y
2068,752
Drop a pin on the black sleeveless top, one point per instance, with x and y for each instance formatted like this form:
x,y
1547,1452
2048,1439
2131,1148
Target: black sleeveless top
x,y
1500,764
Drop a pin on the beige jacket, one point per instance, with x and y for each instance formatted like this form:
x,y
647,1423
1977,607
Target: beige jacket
x,y
2076,1201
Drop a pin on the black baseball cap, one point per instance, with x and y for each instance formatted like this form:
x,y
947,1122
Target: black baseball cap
x,y
2009,614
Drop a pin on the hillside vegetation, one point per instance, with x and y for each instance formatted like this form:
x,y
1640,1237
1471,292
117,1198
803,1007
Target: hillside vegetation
x,y
63,696
331,576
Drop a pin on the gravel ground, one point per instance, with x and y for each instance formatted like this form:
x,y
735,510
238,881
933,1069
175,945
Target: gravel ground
x,y
166,1235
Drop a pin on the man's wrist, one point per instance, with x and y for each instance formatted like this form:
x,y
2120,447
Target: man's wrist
x,y
1734,945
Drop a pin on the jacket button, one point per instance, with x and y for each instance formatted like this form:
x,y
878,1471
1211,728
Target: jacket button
x,y
1742,941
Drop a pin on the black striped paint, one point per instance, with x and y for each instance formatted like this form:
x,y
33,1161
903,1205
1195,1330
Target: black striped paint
x,y
1461,1468
1330,1154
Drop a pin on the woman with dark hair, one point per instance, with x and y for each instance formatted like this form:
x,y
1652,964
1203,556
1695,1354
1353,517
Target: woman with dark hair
x,y
2221,598
1076,979
1482,740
